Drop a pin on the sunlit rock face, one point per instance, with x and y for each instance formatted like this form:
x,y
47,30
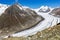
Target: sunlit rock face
x,y
16,19
56,12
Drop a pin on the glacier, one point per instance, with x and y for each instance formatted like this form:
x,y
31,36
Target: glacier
x,y
48,22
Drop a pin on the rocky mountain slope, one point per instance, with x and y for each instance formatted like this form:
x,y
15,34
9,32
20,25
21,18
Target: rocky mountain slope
x,y
15,19
56,12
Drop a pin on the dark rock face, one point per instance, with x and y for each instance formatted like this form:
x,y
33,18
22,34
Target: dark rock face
x,y
16,19
56,12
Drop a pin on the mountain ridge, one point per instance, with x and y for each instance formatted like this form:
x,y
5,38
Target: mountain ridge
x,y
15,18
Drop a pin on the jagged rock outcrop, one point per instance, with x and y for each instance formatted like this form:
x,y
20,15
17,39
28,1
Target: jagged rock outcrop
x,y
15,19
56,12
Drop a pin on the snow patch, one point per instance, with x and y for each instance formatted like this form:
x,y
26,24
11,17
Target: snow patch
x,y
20,7
2,8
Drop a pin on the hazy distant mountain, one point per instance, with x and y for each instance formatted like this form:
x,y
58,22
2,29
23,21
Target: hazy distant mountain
x,y
56,12
15,18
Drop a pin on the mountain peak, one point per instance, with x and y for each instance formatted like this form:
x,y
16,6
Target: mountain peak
x,y
15,19
18,5
44,9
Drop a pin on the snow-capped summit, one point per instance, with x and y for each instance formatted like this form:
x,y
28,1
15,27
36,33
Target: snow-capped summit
x,y
19,5
44,9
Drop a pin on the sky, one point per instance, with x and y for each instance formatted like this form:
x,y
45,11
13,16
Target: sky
x,y
33,3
